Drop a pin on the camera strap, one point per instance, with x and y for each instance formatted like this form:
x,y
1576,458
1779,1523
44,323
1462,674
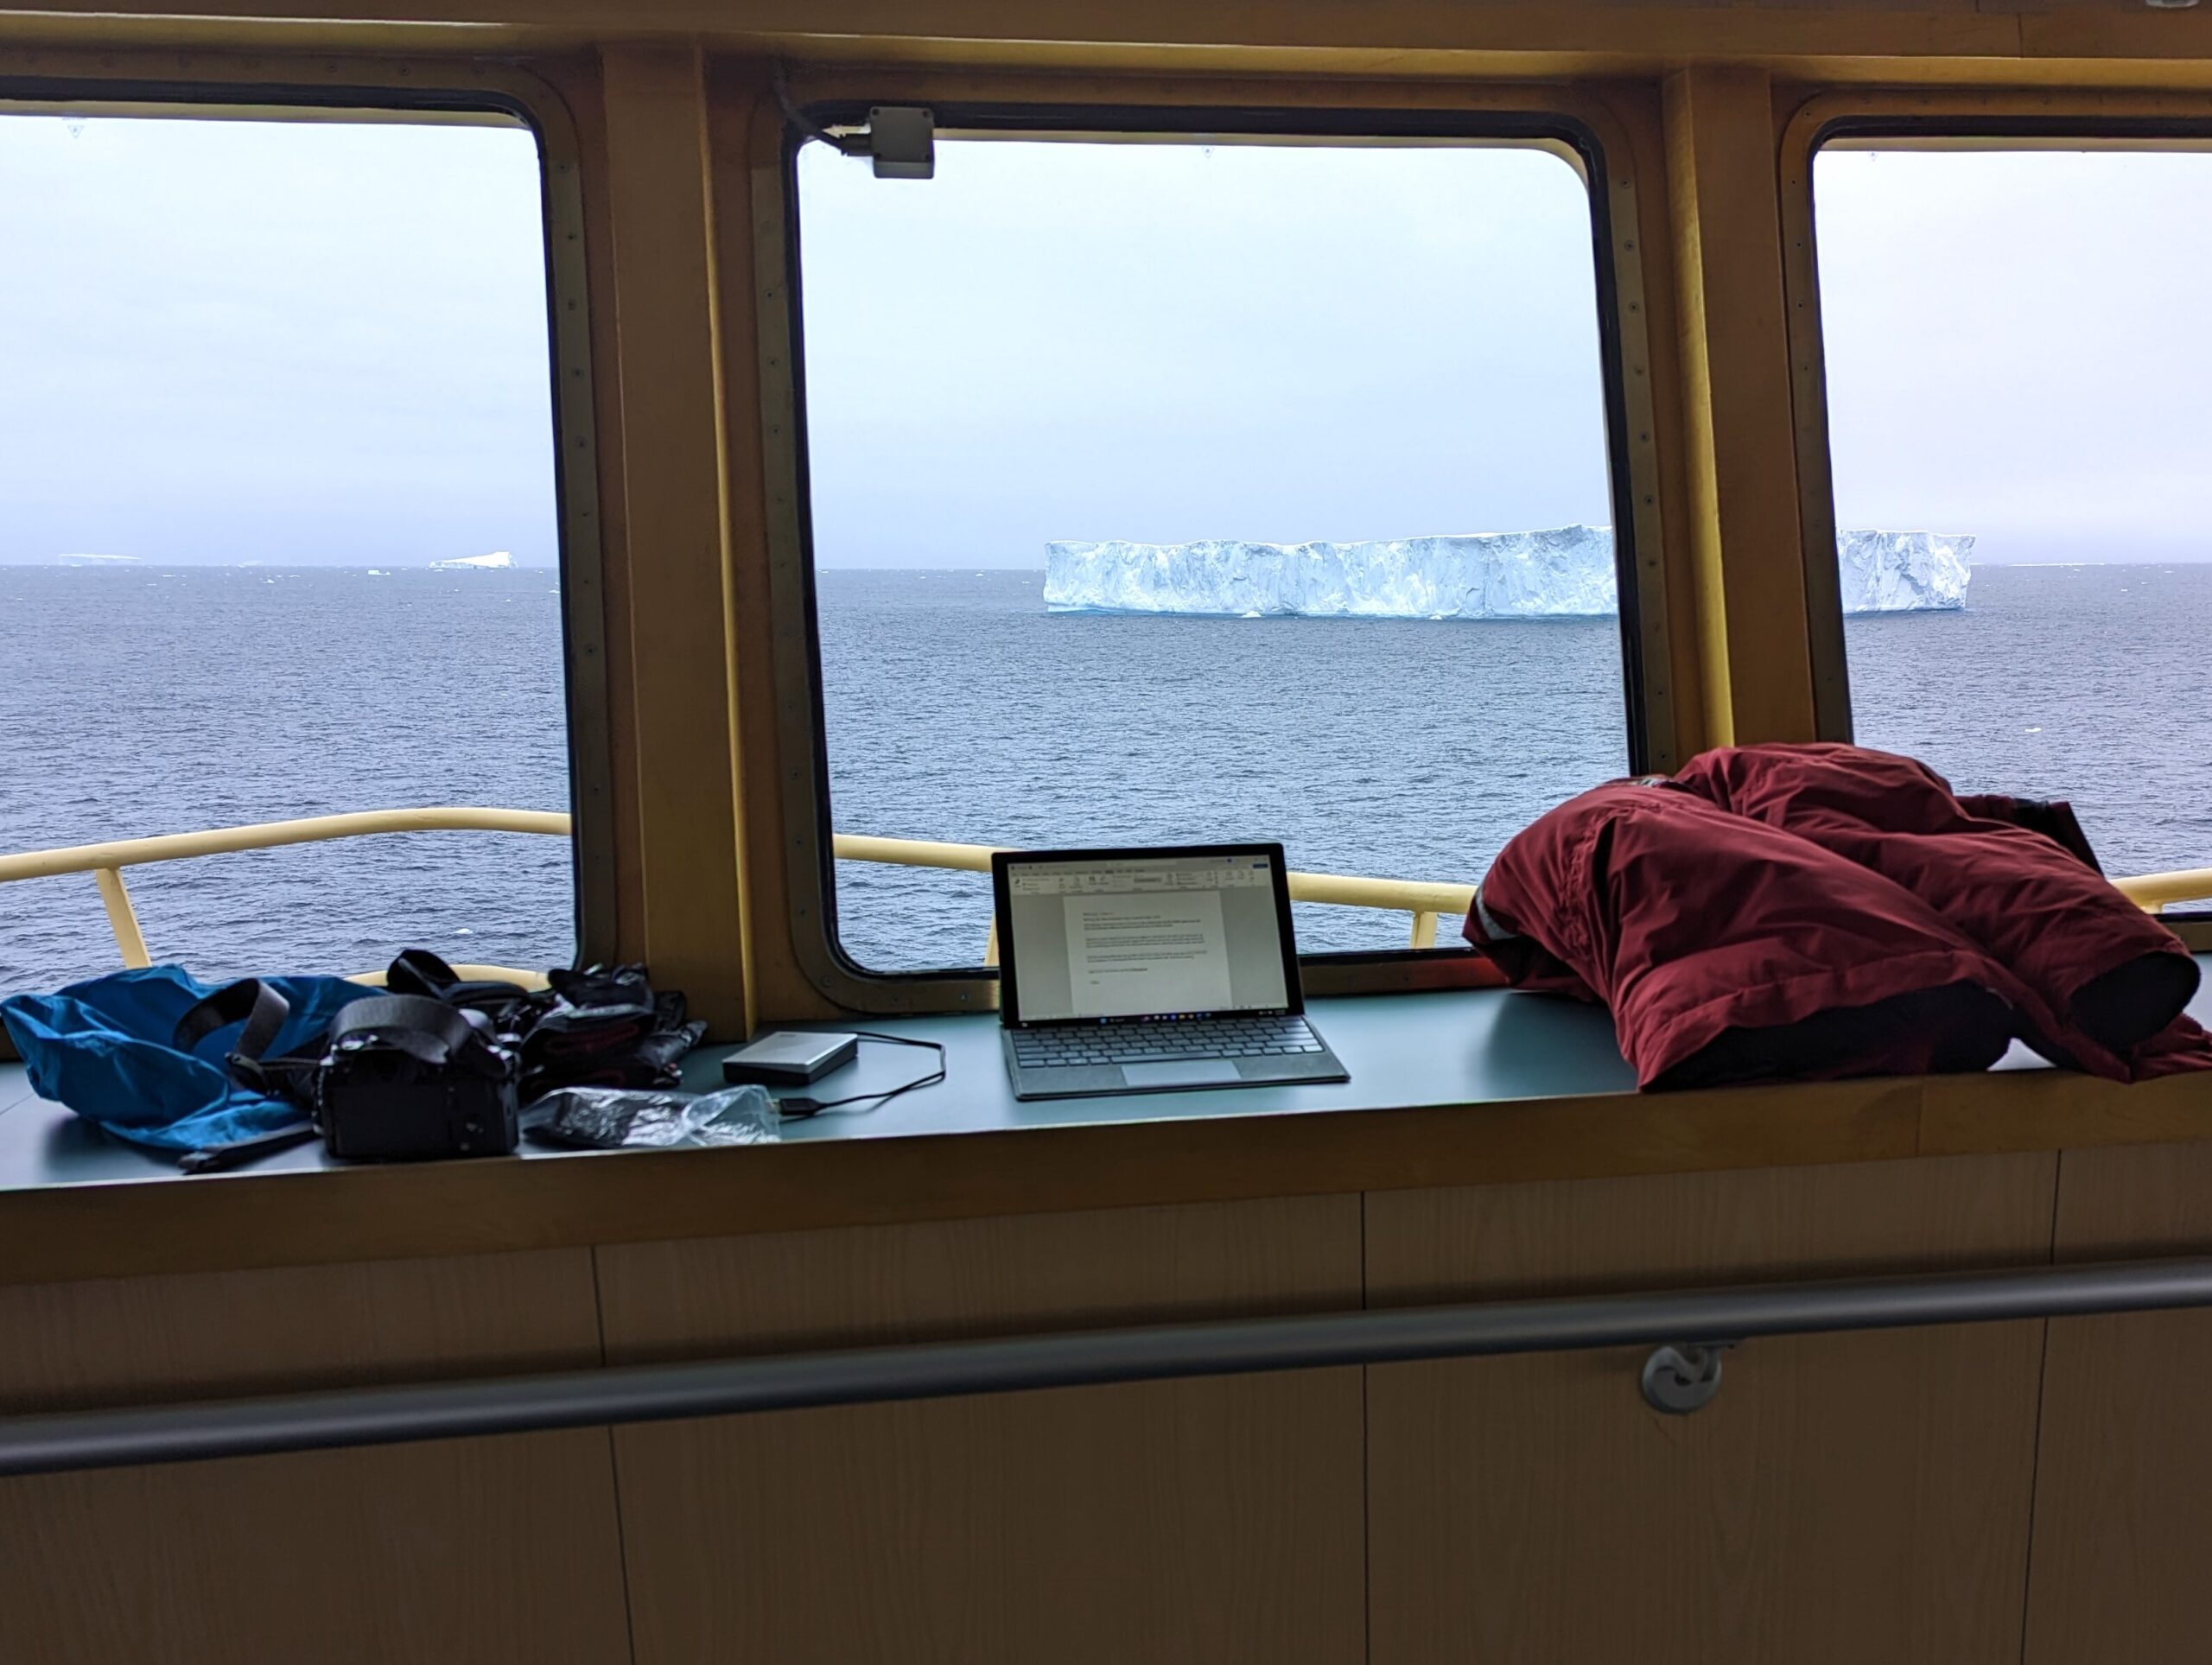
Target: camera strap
x,y
251,1001
262,1010
418,971
428,1031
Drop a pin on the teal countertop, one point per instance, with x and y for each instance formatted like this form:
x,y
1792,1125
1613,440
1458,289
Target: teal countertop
x,y
1403,1052
1458,1087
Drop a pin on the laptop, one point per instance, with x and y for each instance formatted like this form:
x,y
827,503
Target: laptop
x,y
1151,970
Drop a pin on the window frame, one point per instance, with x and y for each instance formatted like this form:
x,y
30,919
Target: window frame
x,y
338,87
1936,119
1581,131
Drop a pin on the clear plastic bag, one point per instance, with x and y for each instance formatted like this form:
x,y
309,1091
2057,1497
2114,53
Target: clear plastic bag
x,y
735,1115
617,1118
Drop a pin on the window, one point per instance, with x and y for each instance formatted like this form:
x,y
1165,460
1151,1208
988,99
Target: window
x,y
1060,400
280,539
2017,354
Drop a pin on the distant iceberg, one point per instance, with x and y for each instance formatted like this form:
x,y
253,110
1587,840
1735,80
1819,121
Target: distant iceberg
x,y
1562,573
474,563
1566,573
1903,572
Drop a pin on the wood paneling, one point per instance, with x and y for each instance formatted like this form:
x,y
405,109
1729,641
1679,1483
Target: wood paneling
x,y
1735,393
683,750
1204,1521
1401,37
579,86
745,135
462,1550
1207,1521
2124,1483
880,1285
1499,1242
2059,1110
1844,1498
123,1340
1641,154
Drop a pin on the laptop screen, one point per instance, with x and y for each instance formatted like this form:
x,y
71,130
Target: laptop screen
x,y
1097,935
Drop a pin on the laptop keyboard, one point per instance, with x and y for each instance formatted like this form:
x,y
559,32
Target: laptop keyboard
x,y
1159,1043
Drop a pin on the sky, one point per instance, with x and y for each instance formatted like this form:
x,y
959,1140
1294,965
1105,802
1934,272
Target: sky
x,y
296,343
1168,342
2017,347
325,344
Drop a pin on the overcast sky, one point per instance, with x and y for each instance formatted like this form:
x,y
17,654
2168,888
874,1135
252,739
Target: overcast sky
x,y
297,343
320,343
2018,346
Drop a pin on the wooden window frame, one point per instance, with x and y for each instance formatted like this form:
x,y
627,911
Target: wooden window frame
x,y
1580,128
1934,118
331,86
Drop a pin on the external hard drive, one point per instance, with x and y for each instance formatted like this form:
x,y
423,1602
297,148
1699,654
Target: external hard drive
x,y
787,1057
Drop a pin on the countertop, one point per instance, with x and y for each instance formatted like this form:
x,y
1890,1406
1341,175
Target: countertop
x,y
1455,1088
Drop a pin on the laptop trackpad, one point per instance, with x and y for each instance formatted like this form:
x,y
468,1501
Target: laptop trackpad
x,y
1184,1072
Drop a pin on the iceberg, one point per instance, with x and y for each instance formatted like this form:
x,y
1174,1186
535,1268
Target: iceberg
x,y
1564,572
1903,572
498,558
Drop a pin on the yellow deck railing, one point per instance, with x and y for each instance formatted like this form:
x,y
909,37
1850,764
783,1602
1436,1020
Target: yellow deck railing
x,y
105,862
1425,902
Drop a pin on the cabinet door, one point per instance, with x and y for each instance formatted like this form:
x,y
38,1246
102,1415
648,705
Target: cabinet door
x,y
1843,1497
2123,1533
1207,1521
457,1551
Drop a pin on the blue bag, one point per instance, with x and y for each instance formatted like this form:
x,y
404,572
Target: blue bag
x,y
104,1048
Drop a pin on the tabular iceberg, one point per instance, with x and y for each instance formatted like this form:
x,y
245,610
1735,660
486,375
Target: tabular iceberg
x,y
1558,574
1566,573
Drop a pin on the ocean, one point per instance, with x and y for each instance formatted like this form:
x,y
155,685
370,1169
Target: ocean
x,y
137,700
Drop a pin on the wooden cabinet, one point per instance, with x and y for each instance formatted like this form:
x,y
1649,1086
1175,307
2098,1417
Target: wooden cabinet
x,y
1847,1498
456,1551
2123,1524
1209,1521
1844,1498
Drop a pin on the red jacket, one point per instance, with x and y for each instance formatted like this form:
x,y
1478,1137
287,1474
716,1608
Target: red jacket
x,y
1815,911
2107,977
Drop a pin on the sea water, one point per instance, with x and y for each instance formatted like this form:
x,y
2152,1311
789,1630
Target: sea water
x,y
136,701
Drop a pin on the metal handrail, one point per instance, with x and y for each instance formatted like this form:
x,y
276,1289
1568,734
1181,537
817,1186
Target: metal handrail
x,y
1426,901
105,862
268,834
332,1419
2155,891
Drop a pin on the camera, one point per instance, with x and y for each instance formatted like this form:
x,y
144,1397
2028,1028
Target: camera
x,y
407,1077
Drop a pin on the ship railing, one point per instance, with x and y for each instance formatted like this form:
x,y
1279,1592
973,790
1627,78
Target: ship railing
x,y
1425,902
105,862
